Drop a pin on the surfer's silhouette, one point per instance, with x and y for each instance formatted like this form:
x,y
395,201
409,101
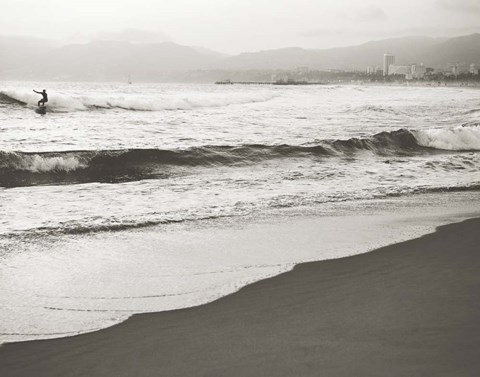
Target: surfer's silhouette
x,y
44,100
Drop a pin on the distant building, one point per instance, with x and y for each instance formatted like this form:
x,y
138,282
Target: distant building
x,y
410,72
455,70
473,69
399,70
303,70
388,60
418,71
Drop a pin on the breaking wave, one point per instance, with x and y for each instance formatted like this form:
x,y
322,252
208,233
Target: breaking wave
x,y
134,102
28,168
454,139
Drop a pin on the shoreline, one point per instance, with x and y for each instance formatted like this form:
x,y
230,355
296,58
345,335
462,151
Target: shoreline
x,y
417,84
405,308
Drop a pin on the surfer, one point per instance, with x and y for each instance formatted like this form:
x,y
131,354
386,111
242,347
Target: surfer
x,y
44,99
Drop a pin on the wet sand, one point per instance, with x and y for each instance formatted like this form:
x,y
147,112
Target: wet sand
x,y
410,309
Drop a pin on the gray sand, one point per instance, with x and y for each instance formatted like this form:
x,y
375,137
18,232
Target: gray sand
x,y
411,309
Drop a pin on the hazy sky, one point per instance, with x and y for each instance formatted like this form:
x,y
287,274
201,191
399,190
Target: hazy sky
x,y
234,26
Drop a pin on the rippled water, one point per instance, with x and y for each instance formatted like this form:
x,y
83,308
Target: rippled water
x,y
111,162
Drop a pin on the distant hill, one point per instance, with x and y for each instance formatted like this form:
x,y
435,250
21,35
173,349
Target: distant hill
x,y
208,52
29,58
111,60
462,50
16,51
436,52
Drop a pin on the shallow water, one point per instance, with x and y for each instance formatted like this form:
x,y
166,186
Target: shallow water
x,y
104,199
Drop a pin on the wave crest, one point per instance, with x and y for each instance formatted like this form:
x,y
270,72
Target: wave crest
x,y
455,139
22,168
38,163
134,102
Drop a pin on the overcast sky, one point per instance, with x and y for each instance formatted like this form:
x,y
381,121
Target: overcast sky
x,y
234,26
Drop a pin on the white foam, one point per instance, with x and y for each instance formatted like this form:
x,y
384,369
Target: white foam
x,y
172,101
40,164
175,101
183,267
27,97
45,164
454,139
57,102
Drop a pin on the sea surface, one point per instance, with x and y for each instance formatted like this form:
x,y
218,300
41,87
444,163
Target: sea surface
x,y
124,199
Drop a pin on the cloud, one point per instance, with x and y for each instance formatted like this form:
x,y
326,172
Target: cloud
x,y
323,32
459,5
367,14
371,15
379,33
134,35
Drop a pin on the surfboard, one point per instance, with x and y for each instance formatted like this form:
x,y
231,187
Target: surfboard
x,y
41,110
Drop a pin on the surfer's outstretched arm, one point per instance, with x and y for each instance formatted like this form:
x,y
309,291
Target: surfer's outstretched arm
x,y
37,92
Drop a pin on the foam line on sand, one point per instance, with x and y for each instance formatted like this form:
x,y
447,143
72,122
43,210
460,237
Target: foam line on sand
x,y
410,309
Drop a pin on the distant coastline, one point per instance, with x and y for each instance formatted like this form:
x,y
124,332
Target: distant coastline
x,y
432,84
419,83
277,82
110,61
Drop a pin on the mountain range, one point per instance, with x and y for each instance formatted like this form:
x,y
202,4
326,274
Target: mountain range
x,y
37,59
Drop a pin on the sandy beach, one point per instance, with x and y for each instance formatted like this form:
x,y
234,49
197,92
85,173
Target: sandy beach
x,y
409,309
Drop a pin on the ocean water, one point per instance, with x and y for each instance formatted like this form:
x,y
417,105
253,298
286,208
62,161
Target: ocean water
x,y
125,199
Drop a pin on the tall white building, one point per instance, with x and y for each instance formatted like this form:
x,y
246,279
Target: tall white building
x,y
388,60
